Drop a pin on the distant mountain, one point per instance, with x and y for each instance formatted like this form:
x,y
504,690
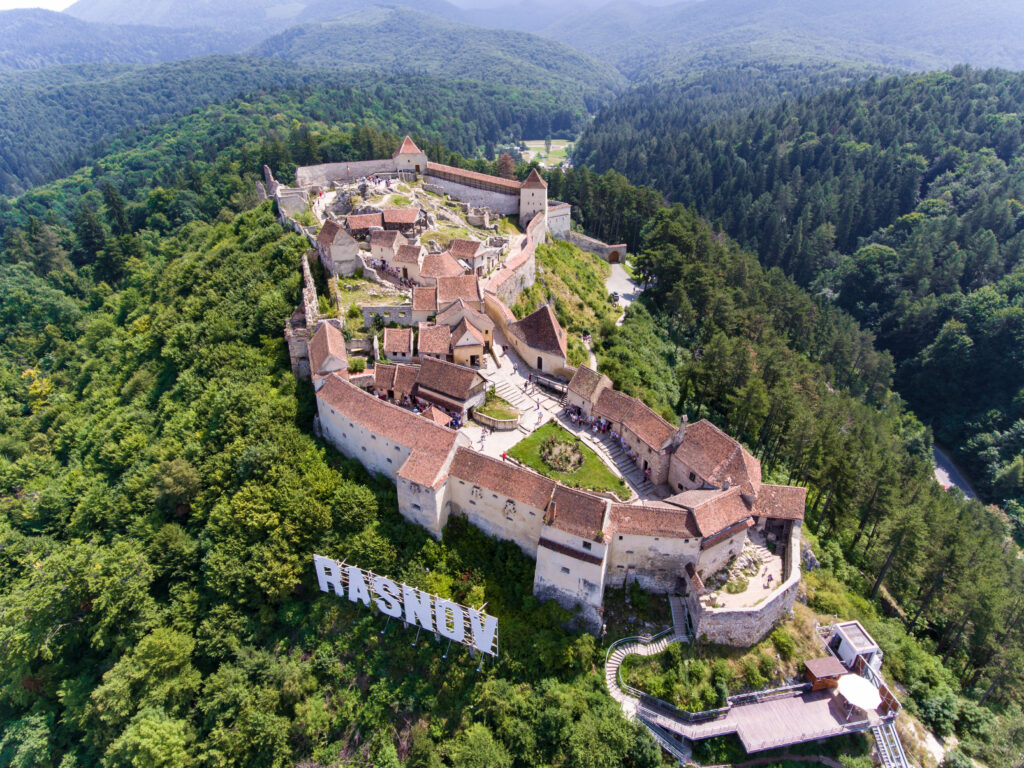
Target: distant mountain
x,y
260,17
404,40
34,38
645,42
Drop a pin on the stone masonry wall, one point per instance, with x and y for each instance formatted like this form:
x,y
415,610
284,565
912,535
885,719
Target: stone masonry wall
x,y
324,175
596,247
501,204
743,628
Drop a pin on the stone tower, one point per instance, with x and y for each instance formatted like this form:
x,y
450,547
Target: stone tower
x,y
410,158
533,198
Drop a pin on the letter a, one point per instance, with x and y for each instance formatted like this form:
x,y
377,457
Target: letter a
x,y
357,591
328,574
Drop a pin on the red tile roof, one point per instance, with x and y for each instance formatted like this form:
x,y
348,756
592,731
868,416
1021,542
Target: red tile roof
x,y
781,502
405,379
408,254
401,216
465,287
541,330
327,341
827,666
513,482
462,329
648,426
716,457
653,520
713,511
576,512
459,309
726,533
437,265
398,341
408,148
385,238
430,444
384,376
437,416
434,339
534,181
364,221
424,299
613,405
457,382
585,382
472,178
464,249
328,232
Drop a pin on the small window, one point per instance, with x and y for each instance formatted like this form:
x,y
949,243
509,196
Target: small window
x,y
693,478
656,538
364,448
619,567
564,569
396,447
417,507
586,545
373,437
473,502
620,538
686,541
494,495
629,551
462,482
679,486
390,461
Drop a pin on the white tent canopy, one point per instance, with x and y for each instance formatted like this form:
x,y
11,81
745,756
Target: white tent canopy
x,y
859,692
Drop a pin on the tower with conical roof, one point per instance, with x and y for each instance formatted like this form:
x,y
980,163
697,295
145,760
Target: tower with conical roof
x,y
410,158
533,198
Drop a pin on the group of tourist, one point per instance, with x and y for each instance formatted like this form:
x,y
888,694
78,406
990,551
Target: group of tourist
x,y
394,274
418,406
600,426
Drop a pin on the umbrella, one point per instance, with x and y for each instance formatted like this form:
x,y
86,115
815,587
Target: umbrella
x,y
859,692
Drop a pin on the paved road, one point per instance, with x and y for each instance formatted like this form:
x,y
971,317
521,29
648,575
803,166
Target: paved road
x,y
620,282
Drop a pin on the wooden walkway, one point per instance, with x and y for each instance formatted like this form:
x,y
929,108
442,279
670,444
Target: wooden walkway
x,y
774,723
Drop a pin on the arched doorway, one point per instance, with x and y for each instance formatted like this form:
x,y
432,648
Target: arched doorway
x,y
540,363
613,257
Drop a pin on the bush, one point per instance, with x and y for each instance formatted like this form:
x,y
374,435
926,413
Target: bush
x,y
784,643
356,365
354,312
752,674
957,759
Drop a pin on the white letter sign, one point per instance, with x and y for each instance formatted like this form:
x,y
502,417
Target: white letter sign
x,y
455,622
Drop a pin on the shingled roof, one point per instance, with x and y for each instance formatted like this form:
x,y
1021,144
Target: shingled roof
x,y
713,511
585,382
576,513
408,254
434,339
429,443
401,216
464,249
398,341
449,379
461,330
405,379
535,181
385,238
653,520
465,287
328,232
459,308
424,299
509,480
364,221
328,342
716,457
648,426
408,148
541,330
474,179
781,502
437,416
437,265
613,405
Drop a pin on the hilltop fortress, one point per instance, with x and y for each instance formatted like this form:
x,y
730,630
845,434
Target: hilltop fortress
x,y
703,517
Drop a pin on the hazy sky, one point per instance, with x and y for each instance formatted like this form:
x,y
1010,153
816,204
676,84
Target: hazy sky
x,y
53,5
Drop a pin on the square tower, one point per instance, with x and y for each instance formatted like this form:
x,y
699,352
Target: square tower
x,y
410,158
533,198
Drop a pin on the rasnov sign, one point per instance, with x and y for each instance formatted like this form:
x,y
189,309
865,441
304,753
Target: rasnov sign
x,y
413,606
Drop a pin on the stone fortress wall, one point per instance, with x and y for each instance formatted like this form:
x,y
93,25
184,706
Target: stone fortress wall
x,y
500,203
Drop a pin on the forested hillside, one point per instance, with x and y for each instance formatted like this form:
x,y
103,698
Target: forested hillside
x,y
56,120
34,38
649,42
899,199
161,498
406,40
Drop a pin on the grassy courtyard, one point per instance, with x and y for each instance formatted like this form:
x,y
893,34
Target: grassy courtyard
x,y
497,407
591,474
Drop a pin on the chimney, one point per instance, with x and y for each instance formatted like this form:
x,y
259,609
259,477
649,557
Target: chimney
x,y
680,434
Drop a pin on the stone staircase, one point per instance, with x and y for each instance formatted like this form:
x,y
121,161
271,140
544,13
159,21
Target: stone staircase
x,y
642,647
611,450
675,603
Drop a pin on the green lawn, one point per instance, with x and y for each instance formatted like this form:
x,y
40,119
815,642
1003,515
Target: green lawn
x,y
497,407
593,475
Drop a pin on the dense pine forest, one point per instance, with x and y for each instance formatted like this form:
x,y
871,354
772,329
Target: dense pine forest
x,y
898,201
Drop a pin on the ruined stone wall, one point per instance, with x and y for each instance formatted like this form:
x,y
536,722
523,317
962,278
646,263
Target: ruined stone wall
x,y
743,628
401,314
324,175
499,203
655,562
596,247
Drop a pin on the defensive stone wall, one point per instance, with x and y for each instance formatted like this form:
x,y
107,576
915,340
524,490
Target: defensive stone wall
x,y
499,203
392,313
559,219
596,247
326,174
745,627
